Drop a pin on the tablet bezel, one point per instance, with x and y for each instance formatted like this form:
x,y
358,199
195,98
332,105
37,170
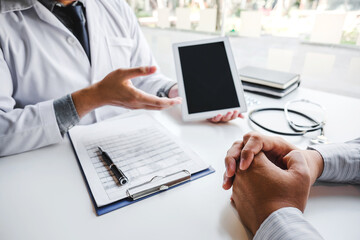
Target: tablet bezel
x,y
236,79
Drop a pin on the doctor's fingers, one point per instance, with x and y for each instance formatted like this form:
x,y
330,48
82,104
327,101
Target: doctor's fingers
x,y
227,117
143,106
232,116
149,107
215,119
128,73
151,100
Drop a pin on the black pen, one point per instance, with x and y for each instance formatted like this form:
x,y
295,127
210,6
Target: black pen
x,y
119,175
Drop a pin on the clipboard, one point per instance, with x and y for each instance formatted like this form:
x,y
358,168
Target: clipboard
x,y
127,201
134,147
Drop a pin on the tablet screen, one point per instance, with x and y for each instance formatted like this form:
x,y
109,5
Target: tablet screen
x,y
207,77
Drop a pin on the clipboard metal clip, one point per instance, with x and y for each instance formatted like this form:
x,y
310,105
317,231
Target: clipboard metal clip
x,y
157,184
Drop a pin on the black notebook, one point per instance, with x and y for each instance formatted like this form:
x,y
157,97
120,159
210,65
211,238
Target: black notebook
x,y
269,91
266,77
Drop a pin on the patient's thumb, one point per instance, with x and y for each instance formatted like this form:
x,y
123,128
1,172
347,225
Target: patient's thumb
x,y
296,162
260,159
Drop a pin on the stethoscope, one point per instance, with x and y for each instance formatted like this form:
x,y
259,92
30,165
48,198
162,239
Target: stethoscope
x,y
299,130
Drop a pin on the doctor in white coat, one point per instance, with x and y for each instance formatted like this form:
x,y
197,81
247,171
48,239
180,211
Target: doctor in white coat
x,y
48,83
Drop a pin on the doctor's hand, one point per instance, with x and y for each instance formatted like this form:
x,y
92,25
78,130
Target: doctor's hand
x,y
264,188
275,148
174,92
117,89
227,117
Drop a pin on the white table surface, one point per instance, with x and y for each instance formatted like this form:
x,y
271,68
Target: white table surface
x,y
43,194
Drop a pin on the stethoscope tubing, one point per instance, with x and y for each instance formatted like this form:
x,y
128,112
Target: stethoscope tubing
x,y
317,125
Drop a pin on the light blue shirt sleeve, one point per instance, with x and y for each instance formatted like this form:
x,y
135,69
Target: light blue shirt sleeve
x,y
341,162
286,224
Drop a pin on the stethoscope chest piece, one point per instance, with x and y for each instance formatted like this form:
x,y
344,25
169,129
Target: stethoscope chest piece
x,y
321,139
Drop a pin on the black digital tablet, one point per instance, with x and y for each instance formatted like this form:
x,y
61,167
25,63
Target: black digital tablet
x,y
207,78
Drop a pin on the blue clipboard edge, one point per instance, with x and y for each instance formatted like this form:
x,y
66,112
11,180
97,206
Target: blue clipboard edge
x,y
125,202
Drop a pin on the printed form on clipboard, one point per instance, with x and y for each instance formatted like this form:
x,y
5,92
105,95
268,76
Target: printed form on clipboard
x,y
150,157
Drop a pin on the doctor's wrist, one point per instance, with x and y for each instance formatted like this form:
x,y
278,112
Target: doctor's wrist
x,y
173,92
87,100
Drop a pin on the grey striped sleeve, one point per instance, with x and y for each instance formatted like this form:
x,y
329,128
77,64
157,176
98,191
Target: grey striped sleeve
x,y
165,89
341,161
66,114
286,224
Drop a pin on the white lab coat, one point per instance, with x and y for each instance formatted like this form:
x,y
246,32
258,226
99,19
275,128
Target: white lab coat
x,y
41,60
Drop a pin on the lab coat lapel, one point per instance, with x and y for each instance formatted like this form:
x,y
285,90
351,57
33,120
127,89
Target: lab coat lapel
x,y
48,17
93,31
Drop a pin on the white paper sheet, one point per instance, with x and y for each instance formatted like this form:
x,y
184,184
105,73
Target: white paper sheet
x,y
139,146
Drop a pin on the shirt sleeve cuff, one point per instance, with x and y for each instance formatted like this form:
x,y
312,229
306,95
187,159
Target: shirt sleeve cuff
x,y
325,154
66,114
164,90
286,223
341,161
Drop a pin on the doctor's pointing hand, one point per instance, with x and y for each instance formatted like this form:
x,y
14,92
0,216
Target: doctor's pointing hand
x,y
116,89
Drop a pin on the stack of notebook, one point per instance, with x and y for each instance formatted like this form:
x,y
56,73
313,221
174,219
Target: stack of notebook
x,y
268,82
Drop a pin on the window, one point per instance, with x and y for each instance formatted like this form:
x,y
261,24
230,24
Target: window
x,y
319,39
